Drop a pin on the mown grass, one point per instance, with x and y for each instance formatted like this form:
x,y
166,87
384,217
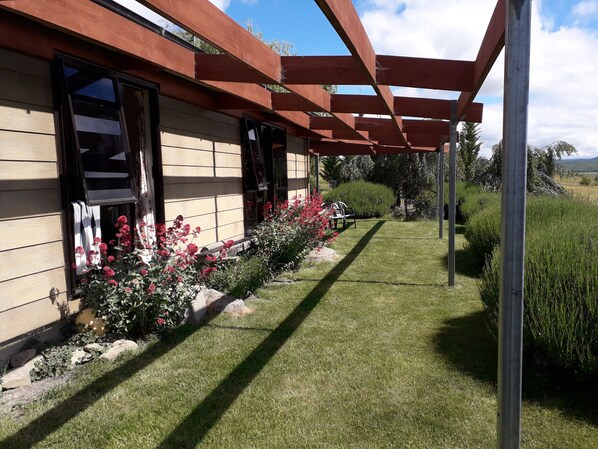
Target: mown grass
x,y
373,351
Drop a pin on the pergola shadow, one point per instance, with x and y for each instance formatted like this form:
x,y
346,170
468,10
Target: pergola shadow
x,y
467,344
198,423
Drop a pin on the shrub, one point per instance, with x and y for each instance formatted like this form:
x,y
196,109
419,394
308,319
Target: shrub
x,y
290,231
241,277
483,233
585,180
139,288
561,292
477,202
366,198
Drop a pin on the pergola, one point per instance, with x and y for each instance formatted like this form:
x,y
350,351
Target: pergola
x,y
235,81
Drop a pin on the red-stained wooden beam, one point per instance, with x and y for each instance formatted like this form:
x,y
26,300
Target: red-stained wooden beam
x,y
322,70
386,149
89,21
344,123
290,101
223,67
425,73
436,127
434,108
205,20
342,16
492,45
423,140
403,106
357,104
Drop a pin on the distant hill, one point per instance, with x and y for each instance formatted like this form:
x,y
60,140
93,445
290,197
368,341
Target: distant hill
x,y
578,165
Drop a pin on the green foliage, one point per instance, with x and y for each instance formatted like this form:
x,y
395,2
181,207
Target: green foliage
x,y
291,229
586,180
139,285
331,168
355,168
469,148
57,357
561,292
367,199
411,177
475,203
241,277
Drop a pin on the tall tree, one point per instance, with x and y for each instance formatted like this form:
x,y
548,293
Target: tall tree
x,y
331,168
469,148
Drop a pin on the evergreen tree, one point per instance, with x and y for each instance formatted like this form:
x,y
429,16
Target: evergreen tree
x,y
469,148
331,168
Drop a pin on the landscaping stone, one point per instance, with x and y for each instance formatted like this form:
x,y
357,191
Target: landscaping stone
x,y
19,377
318,255
79,357
117,348
19,359
216,301
94,347
196,313
237,308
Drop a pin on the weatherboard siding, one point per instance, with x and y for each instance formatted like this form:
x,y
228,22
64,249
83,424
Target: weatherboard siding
x,y
32,264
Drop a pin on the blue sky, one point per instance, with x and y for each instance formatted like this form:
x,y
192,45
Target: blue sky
x,y
564,65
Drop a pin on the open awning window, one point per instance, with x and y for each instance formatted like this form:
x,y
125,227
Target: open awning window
x,y
256,155
101,144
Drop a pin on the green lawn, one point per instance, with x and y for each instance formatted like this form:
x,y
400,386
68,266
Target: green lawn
x,y
373,351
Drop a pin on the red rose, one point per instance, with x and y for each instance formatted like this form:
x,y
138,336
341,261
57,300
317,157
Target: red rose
x,y
79,250
122,220
110,259
151,289
103,248
192,248
143,272
160,321
113,282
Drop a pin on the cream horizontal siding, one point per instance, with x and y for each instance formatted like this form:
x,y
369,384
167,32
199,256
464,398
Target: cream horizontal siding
x,y
297,164
32,264
201,155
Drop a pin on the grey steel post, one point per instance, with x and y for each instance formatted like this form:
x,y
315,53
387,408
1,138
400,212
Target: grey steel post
x,y
441,192
452,194
318,173
514,180
437,212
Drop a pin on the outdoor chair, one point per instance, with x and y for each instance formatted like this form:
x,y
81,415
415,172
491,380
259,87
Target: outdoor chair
x,y
339,211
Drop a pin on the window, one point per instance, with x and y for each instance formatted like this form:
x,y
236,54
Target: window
x,y
109,137
265,168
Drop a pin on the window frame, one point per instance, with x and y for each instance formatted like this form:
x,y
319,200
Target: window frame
x,y
69,166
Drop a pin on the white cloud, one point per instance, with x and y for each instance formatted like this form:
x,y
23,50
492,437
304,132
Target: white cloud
x,y
221,4
564,75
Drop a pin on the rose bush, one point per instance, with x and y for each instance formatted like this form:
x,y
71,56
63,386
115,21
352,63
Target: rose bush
x,y
291,229
139,287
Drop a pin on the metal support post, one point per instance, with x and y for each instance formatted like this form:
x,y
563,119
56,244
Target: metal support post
x,y
514,180
441,191
452,194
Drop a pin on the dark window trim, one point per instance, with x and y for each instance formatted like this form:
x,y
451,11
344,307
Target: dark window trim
x,y
66,178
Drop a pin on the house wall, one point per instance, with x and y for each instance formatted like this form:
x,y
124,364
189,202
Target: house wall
x,y
32,263
201,156
297,167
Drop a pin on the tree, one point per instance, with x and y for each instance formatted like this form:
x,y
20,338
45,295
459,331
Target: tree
x,y
469,148
541,167
331,168
354,168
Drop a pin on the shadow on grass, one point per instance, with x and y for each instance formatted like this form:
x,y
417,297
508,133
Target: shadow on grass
x,y
464,264
468,345
199,422
397,284
52,420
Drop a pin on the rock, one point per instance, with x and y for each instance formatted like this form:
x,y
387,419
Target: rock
x,y
196,313
20,377
93,347
117,348
216,301
237,308
79,357
323,254
251,297
19,359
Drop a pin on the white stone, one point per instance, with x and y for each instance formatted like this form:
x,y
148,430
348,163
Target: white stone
x,y
117,348
323,254
196,313
93,347
19,377
19,359
237,308
79,357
